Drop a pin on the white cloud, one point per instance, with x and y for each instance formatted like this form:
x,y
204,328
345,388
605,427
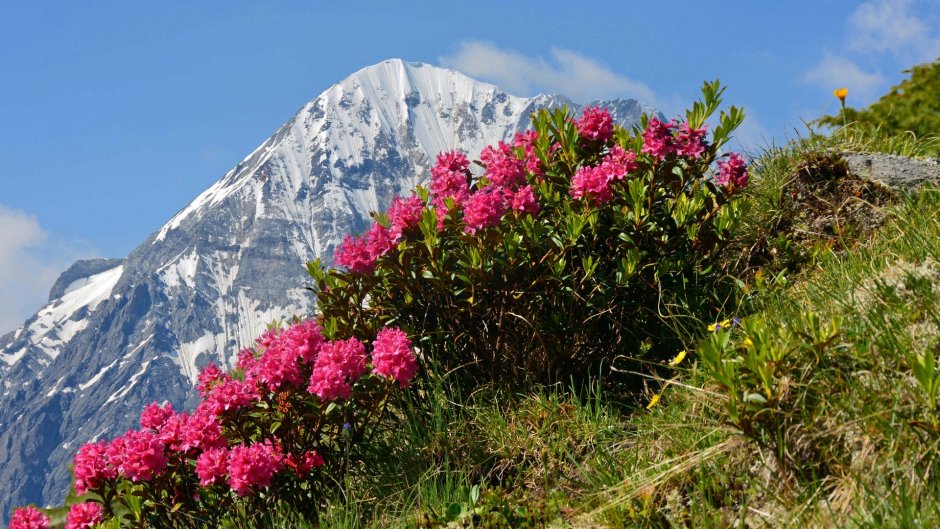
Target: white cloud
x,y
891,26
26,274
835,71
567,72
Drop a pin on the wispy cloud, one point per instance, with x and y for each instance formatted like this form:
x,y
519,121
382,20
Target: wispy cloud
x,y
565,72
835,71
899,33
29,264
891,26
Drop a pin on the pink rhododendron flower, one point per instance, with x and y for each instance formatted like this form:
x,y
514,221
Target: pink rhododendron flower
x,y
379,240
483,210
691,142
338,365
143,456
450,178
91,467
171,431
526,142
253,466
732,173
592,183
115,452
302,465
658,139
503,167
208,377
595,124
305,339
248,363
201,431
618,163
229,396
404,214
280,365
393,356
212,466
155,415
523,200
354,254
84,515
28,518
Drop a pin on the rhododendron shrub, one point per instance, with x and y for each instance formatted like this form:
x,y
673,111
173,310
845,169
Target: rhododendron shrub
x,y
572,247
278,429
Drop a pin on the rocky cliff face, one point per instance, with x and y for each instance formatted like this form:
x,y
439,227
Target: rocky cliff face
x,y
119,334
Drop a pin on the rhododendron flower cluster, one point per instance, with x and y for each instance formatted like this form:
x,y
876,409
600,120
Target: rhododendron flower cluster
x,y
338,365
253,466
142,455
302,465
691,142
526,142
404,214
450,178
732,173
209,377
595,124
658,139
595,182
154,415
91,467
353,253
503,167
392,356
212,466
84,515
483,210
286,380
28,518
229,396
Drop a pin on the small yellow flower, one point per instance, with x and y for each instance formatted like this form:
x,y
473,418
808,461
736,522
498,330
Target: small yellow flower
x,y
653,401
748,342
841,93
679,357
724,324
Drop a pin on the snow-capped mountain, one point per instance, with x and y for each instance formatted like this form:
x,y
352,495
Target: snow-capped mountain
x,y
120,333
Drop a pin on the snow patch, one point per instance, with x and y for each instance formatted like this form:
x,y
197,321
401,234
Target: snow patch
x,y
121,393
209,343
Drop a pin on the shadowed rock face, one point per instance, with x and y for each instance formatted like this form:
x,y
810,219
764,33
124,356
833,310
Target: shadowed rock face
x,y
118,334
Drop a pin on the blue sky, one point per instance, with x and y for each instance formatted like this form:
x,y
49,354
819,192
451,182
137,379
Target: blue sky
x,y
114,115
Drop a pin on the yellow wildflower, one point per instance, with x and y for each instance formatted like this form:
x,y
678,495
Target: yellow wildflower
x,y
748,342
653,401
724,324
679,357
841,93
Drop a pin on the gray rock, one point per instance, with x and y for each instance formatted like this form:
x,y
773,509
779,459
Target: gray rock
x,y
896,172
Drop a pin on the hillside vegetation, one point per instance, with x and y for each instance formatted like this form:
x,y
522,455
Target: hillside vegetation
x,y
601,328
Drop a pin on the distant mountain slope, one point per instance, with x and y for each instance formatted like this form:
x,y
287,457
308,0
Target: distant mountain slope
x,y
118,334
